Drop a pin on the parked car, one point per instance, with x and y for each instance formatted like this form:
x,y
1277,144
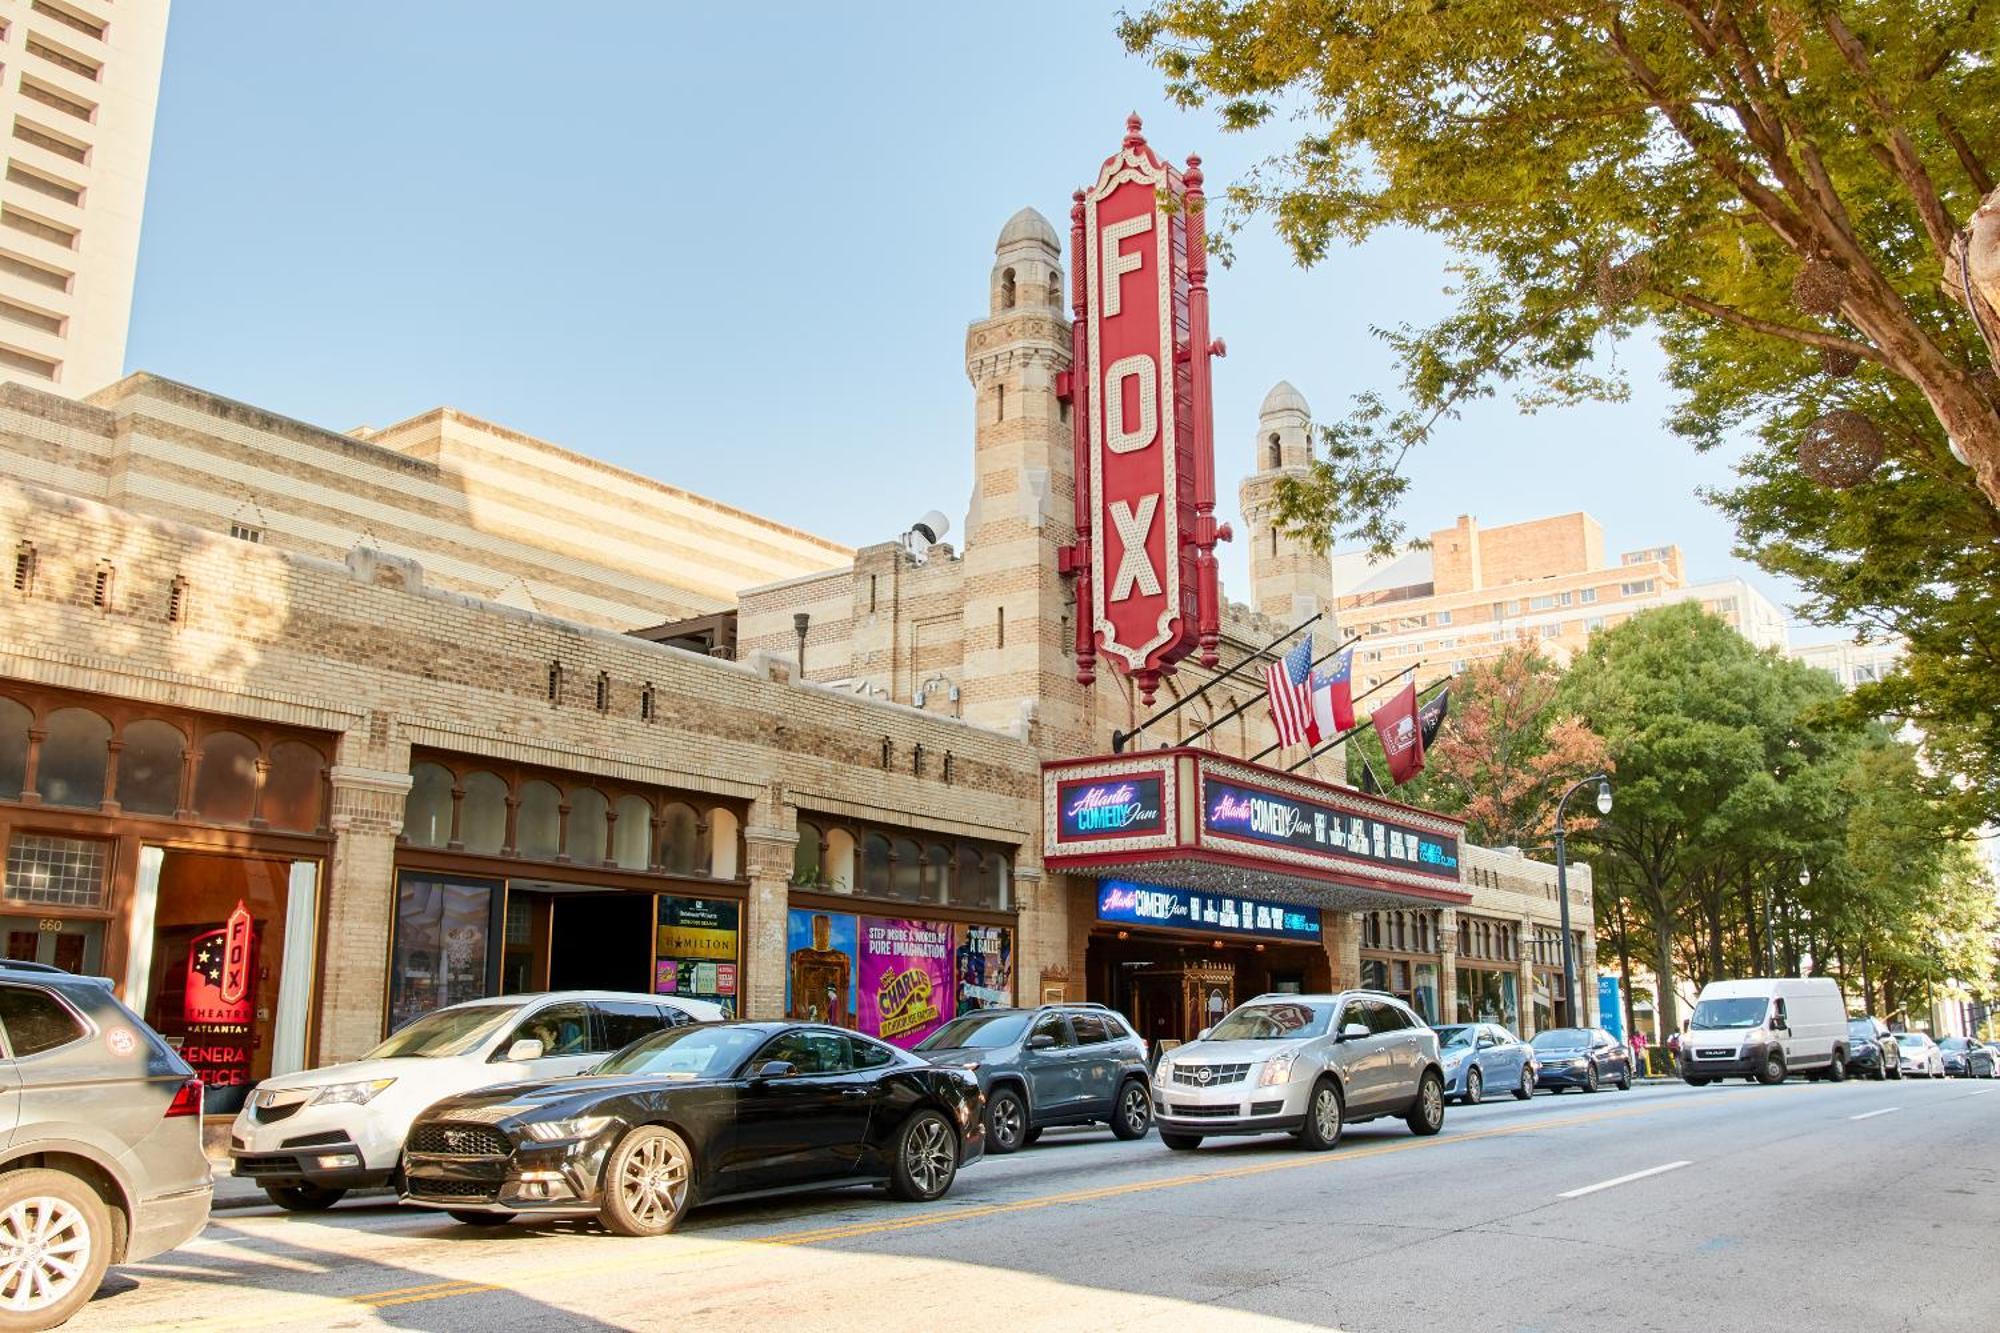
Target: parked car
x,y
1766,1028
1871,1049
1307,1065
1965,1058
1482,1056
696,1114
1918,1054
1061,1064
309,1138
103,1162
1586,1058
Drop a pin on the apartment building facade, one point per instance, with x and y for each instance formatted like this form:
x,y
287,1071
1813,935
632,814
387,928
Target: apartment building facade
x,y
79,81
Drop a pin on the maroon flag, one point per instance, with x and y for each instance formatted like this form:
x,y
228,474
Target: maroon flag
x,y
1402,742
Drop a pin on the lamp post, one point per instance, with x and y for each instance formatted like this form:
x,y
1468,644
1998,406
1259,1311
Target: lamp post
x,y
1603,784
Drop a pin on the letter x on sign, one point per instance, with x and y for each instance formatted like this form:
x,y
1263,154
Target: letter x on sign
x,y
1135,567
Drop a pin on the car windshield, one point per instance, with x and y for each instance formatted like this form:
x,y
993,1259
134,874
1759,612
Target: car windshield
x,y
1452,1038
1953,1043
1716,1015
687,1053
447,1032
1861,1029
976,1031
1274,1022
1561,1039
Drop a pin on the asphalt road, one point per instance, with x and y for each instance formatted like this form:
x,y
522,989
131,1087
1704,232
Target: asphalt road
x,y
1865,1206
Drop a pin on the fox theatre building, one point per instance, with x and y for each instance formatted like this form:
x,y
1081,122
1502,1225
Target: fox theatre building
x,y
1215,880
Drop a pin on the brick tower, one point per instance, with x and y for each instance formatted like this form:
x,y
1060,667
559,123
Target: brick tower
x,y
1288,579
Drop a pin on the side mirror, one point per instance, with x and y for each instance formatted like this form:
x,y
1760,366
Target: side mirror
x,y
527,1048
1354,1032
1041,1041
1203,1034
775,1069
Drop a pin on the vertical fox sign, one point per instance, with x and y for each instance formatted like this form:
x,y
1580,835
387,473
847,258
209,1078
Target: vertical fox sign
x,y
1139,391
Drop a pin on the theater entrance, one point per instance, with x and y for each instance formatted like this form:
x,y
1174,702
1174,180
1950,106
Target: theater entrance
x,y
1172,987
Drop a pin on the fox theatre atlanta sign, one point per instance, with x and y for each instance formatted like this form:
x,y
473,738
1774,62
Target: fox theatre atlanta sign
x,y
1141,407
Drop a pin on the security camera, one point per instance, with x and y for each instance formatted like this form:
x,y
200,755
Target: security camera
x,y
931,527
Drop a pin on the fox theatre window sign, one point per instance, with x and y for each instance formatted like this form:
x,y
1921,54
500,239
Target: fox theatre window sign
x,y
218,1004
1239,811
1119,808
1124,902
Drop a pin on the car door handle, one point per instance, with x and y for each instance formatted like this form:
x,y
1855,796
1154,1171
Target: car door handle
x,y
853,1092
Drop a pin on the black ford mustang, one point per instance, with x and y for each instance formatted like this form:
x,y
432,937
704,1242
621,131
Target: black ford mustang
x,y
694,1114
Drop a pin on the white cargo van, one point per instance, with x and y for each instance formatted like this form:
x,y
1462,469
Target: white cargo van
x,y
1765,1028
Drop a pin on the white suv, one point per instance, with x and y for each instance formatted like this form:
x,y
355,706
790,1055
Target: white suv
x,y
1307,1065
309,1138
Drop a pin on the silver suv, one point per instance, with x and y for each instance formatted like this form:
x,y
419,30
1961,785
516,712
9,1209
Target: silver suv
x,y
1306,1065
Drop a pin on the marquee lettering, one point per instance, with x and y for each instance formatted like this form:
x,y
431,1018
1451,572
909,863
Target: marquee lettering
x,y
1120,437
1117,262
1135,567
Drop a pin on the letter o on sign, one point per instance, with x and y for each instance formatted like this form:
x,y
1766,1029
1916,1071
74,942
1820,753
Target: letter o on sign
x,y
1121,437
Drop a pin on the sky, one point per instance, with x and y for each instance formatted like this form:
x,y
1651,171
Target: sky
x,y
740,256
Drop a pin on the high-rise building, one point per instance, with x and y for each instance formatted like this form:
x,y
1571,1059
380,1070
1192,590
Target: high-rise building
x,y
1477,590
79,80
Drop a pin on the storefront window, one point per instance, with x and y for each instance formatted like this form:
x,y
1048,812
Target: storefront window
x,y
680,841
1488,997
875,865
225,784
805,857
1424,992
632,839
722,831
57,872
840,861
149,768
482,815
589,829
73,758
14,722
696,952
442,943
292,787
936,873
538,823
906,872
427,809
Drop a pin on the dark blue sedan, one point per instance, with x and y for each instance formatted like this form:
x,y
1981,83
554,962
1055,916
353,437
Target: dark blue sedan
x,y
1586,1058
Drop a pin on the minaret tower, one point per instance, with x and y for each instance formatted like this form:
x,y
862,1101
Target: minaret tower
x,y
1288,579
1016,628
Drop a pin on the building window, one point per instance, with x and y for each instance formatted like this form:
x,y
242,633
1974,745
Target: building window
x,y
427,808
101,586
1444,617
1513,608
603,691
1725,606
632,837
24,568
1594,624
1545,602
1589,596
243,532
589,827
75,754
225,784
1274,459
69,18
1055,289
1551,631
1635,589
538,821
149,768
292,784
482,816
177,595
555,683
999,627
1007,289
646,702
680,841
56,872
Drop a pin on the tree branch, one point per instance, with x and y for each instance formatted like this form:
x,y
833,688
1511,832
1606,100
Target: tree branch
x,y
1909,166
1831,342
1975,170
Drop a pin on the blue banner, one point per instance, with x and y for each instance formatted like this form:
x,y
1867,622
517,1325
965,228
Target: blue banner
x,y
1128,903
1610,1007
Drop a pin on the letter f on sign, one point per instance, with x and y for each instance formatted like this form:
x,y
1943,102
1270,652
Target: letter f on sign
x,y
1117,263
1135,567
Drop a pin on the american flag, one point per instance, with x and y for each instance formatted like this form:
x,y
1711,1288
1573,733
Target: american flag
x,y
1289,683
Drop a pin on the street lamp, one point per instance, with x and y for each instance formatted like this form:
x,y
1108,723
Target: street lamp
x,y
1562,883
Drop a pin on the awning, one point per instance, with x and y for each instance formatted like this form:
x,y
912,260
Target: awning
x,y
1191,819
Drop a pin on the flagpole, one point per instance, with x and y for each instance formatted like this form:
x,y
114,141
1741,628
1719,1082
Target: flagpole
x,y
1443,680
1265,693
1349,731
1118,738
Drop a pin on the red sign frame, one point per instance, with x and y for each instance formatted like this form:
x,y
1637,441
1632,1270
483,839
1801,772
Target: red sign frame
x,y
1140,390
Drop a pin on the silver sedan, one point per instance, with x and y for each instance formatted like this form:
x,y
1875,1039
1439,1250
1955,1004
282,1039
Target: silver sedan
x,y
1480,1058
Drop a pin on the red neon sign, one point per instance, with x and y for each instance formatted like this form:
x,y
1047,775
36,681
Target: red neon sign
x,y
1145,492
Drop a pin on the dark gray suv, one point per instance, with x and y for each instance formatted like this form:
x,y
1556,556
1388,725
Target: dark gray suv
x,y
100,1143
1061,1064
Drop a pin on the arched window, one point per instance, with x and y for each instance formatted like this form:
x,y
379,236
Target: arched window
x,y
995,881
15,720
632,838
965,888
538,821
840,860
73,758
292,786
149,768
427,809
934,875
875,865
906,871
482,817
589,826
722,830
1055,288
1276,454
1007,289
805,857
680,841
225,782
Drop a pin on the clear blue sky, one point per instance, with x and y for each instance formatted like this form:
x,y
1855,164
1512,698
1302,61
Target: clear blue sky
x,y
739,255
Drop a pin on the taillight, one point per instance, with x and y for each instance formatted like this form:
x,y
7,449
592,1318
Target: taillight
x,y
187,1100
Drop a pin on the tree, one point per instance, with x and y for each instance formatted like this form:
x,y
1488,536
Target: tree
x,y
1777,190
1508,751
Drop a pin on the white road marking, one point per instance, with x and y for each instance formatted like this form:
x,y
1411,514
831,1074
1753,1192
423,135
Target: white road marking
x,y
1870,1115
1621,1180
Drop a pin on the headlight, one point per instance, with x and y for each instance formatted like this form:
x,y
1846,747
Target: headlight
x,y
1454,1059
350,1094
1579,1063
1278,1069
552,1131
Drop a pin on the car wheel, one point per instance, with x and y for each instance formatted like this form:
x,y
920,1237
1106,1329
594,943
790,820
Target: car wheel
x,y
1696,1080
1880,1074
1590,1078
476,1219
56,1234
1326,1117
1134,1115
926,1159
1006,1122
1896,1073
1625,1080
1475,1087
646,1182
1034,1133
1180,1142
1773,1070
1426,1115
1527,1088
304,1197
1837,1072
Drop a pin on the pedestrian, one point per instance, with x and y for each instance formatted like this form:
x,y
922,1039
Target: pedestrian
x,y
1674,1047
1639,1050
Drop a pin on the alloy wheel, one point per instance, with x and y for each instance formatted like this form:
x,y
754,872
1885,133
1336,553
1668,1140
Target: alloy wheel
x,y
1007,1123
1527,1082
928,1156
1135,1107
653,1182
1433,1098
1475,1087
1326,1113
44,1249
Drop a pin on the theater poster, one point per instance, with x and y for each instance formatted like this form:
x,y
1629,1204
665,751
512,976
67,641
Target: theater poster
x,y
218,1004
984,967
907,987
820,966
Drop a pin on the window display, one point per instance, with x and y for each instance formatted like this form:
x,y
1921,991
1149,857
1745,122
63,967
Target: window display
x,y
443,943
1489,997
895,978
695,953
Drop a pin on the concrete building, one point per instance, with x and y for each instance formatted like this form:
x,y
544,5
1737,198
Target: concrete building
x,y
79,80
1475,590
337,693
1853,663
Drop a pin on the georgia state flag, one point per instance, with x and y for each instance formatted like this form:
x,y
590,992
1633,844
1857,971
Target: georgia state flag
x,y
1333,696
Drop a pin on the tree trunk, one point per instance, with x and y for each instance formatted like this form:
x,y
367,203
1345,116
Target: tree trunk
x,y
1663,966
1867,991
